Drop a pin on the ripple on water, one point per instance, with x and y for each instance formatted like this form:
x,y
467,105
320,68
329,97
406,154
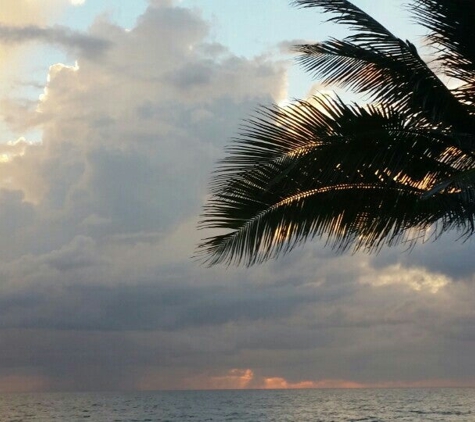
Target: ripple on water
x,y
427,405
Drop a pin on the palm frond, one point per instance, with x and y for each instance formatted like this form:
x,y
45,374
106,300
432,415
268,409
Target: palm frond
x,y
359,177
452,32
376,62
369,31
323,168
462,181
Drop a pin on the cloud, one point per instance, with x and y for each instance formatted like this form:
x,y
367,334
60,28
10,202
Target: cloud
x,y
57,35
415,278
22,384
27,12
234,379
282,383
245,378
100,214
242,378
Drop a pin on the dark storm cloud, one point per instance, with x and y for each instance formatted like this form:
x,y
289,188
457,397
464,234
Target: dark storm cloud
x,y
329,330
142,306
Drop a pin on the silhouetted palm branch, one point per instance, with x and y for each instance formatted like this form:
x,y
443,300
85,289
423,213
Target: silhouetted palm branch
x,y
358,176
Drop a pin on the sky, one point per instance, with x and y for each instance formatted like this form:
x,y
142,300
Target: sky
x,y
113,115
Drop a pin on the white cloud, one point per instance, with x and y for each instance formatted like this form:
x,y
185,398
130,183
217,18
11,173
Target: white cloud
x,y
117,181
418,279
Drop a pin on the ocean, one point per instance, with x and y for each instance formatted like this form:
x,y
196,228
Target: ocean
x,y
370,405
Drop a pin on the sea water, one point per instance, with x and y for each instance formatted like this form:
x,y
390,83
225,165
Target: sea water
x,y
368,405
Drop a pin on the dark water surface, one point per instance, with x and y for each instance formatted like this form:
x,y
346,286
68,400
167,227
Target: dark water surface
x,y
368,405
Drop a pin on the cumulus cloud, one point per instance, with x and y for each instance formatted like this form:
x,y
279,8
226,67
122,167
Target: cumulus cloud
x,y
128,143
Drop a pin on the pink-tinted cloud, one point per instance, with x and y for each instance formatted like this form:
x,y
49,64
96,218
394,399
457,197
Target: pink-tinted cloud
x,y
234,379
282,383
435,383
247,379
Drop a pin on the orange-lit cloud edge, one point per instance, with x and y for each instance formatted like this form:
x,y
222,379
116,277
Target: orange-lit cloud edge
x,y
234,379
245,379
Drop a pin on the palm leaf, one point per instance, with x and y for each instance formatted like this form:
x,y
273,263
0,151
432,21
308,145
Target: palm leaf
x,y
359,177
323,168
452,32
376,62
